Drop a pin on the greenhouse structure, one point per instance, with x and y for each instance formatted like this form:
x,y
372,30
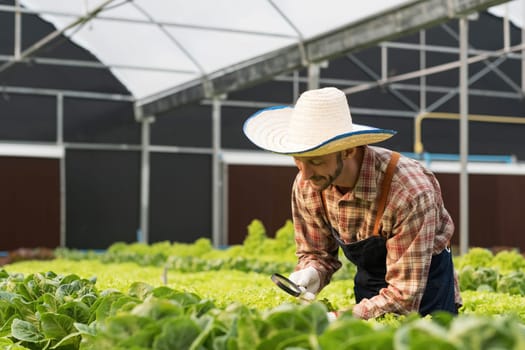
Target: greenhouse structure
x,y
122,120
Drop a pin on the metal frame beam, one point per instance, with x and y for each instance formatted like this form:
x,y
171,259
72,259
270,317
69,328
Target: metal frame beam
x,y
53,35
102,17
387,25
463,138
8,89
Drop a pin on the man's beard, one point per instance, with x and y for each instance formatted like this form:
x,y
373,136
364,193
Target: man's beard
x,y
331,178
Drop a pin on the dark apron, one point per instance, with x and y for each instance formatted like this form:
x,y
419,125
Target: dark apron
x,y
369,255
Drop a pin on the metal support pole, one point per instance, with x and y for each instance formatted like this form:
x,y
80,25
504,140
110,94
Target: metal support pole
x,y
463,125
506,28
217,236
295,85
384,63
422,65
62,168
143,232
523,51
18,31
314,70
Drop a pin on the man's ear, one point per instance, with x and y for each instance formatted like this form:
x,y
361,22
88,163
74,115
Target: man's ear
x,y
349,152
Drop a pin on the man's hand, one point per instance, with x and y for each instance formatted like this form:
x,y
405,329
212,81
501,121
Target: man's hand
x,y
307,278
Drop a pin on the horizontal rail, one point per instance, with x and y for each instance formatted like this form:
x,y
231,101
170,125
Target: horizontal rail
x,y
418,144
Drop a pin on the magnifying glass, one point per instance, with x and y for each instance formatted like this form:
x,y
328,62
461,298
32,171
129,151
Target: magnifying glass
x,y
291,287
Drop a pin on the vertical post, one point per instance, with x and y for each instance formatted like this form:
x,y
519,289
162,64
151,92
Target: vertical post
x,y
523,51
143,232
384,63
422,66
18,31
506,29
313,76
62,168
217,235
295,85
463,108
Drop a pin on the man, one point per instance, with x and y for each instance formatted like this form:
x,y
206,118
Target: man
x,y
384,211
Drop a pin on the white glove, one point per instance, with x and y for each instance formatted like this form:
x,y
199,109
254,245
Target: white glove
x,y
332,316
307,278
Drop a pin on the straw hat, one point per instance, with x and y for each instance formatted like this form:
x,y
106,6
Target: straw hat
x,y
319,124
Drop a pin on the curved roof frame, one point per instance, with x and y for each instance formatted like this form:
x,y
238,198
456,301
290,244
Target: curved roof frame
x,y
289,37
371,30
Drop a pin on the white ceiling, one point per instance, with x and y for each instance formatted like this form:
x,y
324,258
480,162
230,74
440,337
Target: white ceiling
x,y
162,44
153,45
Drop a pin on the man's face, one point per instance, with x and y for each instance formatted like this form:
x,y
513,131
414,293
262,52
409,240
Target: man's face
x,y
320,171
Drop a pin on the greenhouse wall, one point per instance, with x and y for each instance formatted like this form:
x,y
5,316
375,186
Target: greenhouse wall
x,y
86,111
29,202
495,218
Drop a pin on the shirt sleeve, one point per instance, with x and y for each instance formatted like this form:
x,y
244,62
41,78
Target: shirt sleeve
x,y
409,254
315,245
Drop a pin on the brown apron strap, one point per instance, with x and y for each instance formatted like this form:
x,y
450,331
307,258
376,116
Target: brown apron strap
x,y
385,189
323,202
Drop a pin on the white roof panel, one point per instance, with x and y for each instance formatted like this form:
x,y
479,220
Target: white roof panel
x,y
313,17
214,50
153,46
514,9
241,15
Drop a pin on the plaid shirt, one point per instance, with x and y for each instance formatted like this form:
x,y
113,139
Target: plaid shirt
x,y
415,223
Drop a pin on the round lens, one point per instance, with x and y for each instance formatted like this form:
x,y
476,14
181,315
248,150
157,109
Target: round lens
x,y
286,285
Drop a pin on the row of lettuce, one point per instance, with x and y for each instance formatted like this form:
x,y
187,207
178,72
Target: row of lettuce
x,y
49,311
479,270
46,310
